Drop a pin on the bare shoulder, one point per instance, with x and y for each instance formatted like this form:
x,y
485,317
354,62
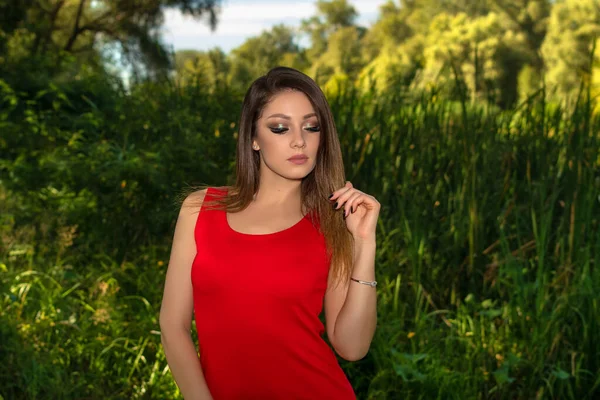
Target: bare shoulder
x,y
193,202
177,304
198,195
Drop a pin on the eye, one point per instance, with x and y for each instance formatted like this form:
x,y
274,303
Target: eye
x,y
279,129
315,128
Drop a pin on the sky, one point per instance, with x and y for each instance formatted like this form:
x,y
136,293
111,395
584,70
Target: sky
x,y
242,19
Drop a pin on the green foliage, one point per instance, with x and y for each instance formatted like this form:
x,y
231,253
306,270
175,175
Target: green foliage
x,y
529,81
210,69
395,66
331,16
342,55
481,52
258,54
489,229
491,50
573,27
43,28
337,13
488,234
388,31
530,18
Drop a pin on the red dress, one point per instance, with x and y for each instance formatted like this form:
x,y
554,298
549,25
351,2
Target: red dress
x,y
257,300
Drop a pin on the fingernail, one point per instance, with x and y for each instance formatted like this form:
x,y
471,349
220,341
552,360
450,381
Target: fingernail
x,y
335,205
344,214
330,196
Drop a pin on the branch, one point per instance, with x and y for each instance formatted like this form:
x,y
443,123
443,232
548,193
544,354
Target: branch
x,y
76,29
53,17
506,9
42,39
103,16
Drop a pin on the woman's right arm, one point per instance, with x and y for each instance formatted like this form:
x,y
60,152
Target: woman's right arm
x,y
178,306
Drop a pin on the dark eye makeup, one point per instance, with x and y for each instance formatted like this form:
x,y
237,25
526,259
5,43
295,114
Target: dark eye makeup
x,y
279,130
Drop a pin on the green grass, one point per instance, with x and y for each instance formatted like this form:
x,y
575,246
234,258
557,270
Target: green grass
x,y
486,263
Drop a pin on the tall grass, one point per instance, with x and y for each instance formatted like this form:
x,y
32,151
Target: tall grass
x,y
488,238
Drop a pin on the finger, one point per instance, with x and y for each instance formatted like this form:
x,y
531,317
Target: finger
x,y
342,198
337,193
353,201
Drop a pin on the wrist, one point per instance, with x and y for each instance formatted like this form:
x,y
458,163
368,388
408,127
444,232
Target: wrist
x,y
371,241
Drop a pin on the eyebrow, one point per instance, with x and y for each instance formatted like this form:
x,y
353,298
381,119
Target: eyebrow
x,y
288,117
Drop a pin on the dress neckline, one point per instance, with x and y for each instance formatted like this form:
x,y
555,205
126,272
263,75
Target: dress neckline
x,y
230,229
258,235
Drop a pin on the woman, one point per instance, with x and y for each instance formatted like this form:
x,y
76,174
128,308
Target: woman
x,y
255,262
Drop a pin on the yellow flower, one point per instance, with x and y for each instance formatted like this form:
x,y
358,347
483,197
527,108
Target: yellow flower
x,y
160,263
103,287
101,315
410,335
123,184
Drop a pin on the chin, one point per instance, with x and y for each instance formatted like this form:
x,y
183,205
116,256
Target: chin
x,y
300,173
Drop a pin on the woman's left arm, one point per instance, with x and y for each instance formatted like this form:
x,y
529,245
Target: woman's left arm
x,y
355,325
357,318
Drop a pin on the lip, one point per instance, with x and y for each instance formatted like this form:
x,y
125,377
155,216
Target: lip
x,y
298,158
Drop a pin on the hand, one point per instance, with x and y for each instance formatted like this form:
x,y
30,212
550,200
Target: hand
x,y
361,210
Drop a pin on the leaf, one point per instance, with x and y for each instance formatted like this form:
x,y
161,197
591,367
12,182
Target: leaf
x,y
413,357
561,374
486,303
501,375
491,313
408,373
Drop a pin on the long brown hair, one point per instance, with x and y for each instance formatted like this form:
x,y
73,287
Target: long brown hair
x,y
327,176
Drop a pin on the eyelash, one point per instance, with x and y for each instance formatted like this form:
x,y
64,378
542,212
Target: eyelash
x,y
280,131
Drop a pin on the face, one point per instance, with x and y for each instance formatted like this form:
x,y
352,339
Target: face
x,y
287,127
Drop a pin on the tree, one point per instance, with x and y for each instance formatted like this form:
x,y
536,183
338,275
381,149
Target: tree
x,y
82,27
531,18
574,26
485,54
331,16
418,14
527,17
390,30
260,53
208,67
342,57
473,8
335,41
395,65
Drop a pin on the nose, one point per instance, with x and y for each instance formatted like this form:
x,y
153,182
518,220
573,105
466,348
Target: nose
x,y
298,138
